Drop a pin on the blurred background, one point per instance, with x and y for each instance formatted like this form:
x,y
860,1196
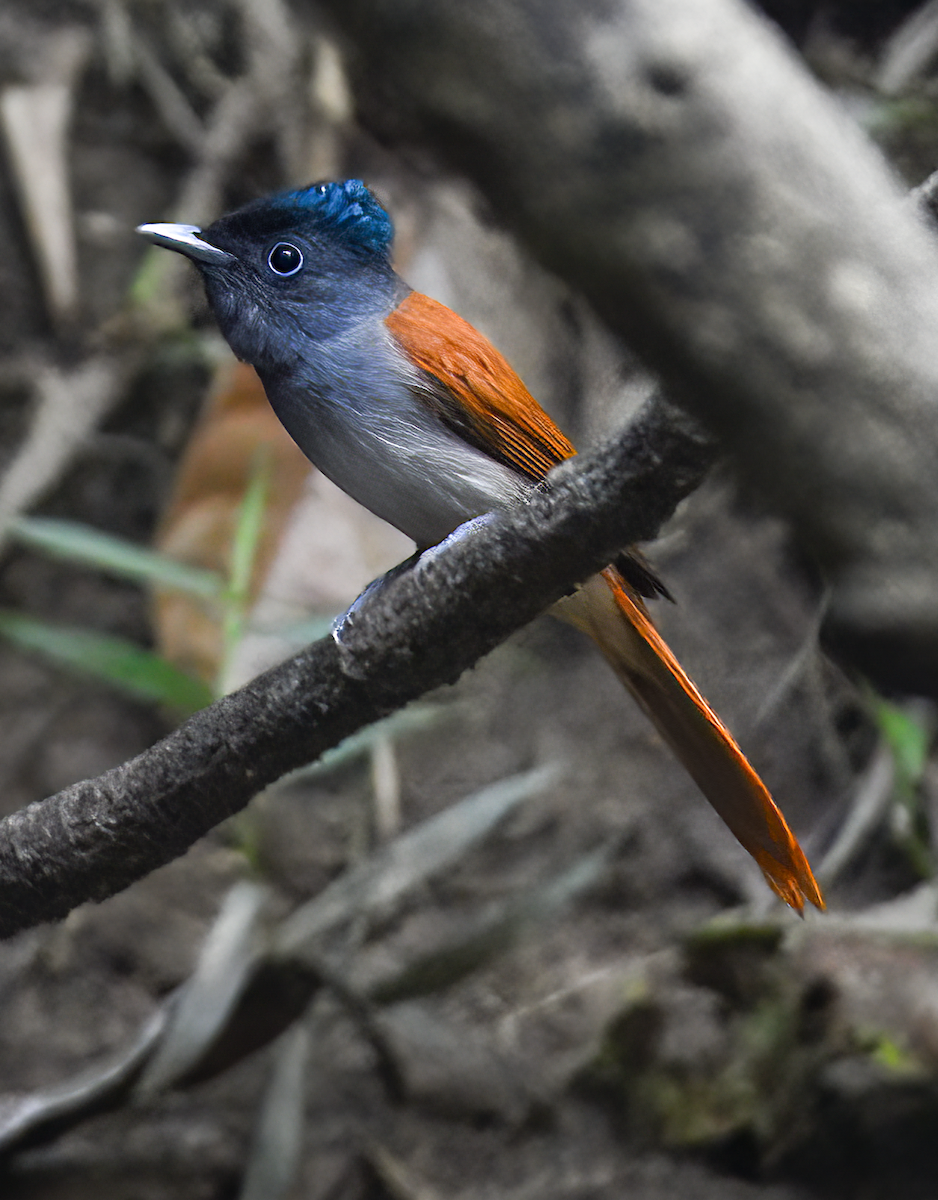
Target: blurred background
x,y
497,945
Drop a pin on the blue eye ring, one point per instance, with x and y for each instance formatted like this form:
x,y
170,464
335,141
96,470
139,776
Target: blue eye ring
x,y
285,259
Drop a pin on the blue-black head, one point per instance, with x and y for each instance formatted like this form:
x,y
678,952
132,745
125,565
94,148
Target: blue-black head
x,y
342,221
292,269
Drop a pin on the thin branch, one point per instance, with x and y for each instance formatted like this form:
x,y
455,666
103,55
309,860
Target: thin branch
x,y
424,628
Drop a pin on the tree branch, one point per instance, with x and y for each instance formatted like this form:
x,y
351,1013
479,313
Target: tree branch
x,y
422,629
672,160
675,162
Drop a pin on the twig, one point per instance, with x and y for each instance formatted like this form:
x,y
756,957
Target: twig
x,y
273,48
239,111
35,117
909,50
385,789
797,665
69,405
178,115
867,812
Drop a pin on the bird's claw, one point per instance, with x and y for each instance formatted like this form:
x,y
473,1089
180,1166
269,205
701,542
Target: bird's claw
x,y
467,529
344,620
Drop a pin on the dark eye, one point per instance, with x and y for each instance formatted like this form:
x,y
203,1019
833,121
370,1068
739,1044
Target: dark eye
x,y
285,259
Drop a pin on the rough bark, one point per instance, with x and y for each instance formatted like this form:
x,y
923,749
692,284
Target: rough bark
x,y
420,630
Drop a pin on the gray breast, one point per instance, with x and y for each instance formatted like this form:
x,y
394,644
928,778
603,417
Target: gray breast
x,y
357,417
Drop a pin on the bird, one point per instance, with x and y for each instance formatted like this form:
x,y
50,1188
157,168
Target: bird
x,y
416,415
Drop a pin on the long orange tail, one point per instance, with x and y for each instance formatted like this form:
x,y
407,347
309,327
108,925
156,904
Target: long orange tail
x,y
618,623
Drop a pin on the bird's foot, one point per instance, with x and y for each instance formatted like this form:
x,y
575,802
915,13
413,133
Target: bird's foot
x,y
467,529
342,622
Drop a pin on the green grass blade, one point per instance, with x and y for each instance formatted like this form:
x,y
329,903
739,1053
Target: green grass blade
x,y
114,660
245,544
907,732
250,525
90,547
907,736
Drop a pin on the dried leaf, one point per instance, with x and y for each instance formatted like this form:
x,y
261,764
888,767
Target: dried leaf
x,y
41,1115
409,859
274,1160
204,1004
201,523
513,921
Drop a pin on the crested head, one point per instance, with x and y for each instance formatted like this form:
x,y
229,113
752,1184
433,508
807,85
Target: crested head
x,y
293,269
344,215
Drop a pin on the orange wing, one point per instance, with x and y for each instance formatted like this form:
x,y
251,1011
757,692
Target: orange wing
x,y
492,409
478,394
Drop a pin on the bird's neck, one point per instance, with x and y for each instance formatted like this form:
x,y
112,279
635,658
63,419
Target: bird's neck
x,y
276,331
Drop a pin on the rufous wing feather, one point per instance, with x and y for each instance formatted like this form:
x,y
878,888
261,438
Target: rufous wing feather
x,y
474,390
618,623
